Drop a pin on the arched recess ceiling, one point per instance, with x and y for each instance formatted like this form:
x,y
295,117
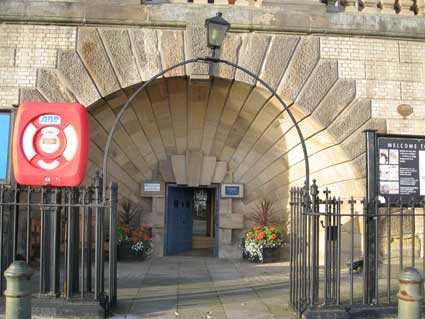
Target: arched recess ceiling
x,y
227,117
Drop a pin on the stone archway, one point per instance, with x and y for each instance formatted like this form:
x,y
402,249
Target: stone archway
x,y
228,119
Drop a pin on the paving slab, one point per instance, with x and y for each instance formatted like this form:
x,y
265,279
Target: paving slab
x,y
188,287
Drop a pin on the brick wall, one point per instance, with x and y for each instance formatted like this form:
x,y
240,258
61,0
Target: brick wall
x,y
23,49
389,72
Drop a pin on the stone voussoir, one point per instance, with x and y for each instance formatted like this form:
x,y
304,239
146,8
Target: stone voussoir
x,y
277,58
306,56
337,99
76,75
351,119
171,50
251,56
196,46
118,46
230,52
145,45
355,144
92,53
30,95
52,87
321,80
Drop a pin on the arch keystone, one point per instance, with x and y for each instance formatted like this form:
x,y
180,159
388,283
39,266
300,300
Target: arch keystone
x,y
145,45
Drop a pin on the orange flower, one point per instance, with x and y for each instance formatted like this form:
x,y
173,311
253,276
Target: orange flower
x,y
134,240
146,237
249,236
254,228
272,228
260,235
273,236
142,228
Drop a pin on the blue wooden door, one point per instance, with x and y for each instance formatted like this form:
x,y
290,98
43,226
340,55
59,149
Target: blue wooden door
x,y
179,221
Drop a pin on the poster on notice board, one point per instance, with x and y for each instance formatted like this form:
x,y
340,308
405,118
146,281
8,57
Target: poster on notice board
x,y
401,168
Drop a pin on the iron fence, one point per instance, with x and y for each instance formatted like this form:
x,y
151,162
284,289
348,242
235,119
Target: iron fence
x,y
330,246
64,235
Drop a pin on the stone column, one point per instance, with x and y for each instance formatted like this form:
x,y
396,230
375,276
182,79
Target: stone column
x,y
228,246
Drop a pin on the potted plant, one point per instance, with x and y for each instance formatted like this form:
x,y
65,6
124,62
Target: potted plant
x,y
134,242
263,242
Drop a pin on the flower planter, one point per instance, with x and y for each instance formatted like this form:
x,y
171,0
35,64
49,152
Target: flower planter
x,y
125,253
271,254
139,238
262,245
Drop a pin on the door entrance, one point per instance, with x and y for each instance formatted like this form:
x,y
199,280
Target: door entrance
x,y
191,221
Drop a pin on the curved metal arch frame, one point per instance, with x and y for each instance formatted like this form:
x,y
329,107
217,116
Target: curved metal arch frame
x,y
206,60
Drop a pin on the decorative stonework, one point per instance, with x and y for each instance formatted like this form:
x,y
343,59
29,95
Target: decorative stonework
x,y
223,129
239,122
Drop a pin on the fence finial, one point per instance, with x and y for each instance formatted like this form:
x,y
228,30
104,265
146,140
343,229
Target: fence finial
x,y
314,188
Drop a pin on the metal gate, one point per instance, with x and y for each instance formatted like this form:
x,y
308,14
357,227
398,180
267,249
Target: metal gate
x,y
61,233
332,263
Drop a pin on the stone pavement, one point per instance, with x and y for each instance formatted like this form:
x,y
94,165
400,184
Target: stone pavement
x,y
202,287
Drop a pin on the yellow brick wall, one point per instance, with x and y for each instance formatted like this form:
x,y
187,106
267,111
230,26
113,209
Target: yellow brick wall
x,y
23,49
389,72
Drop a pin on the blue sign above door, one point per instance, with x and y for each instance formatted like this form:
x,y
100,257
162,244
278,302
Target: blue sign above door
x,y
232,191
5,123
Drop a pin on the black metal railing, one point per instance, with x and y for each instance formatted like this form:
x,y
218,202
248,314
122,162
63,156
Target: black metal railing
x,y
62,233
329,248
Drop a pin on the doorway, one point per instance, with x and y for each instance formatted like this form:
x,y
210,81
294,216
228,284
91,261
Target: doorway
x,y
191,221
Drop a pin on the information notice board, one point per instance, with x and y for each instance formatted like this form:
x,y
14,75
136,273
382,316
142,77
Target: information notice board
x,y
401,168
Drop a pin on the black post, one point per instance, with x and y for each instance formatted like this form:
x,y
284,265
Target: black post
x,y
113,202
315,244
89,246
98,258
83,242
75,252
370,248
50,243
28,237
72,258
15,222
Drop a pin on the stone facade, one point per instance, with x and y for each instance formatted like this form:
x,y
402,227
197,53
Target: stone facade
x,y
24,49
232,128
